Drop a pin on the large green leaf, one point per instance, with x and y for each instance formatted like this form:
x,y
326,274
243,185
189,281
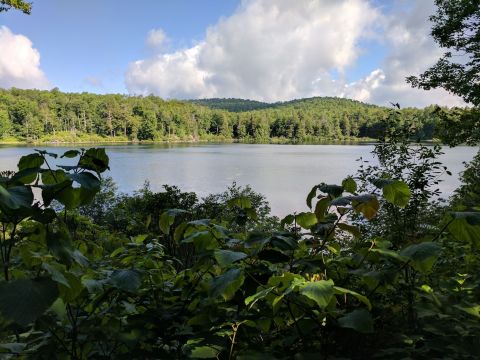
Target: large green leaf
x,y
465,226
51,177
94,159
311,195
227,257
127,280
360,297
168,218
306,219
51,191
26,176
252,299
349,185
366,204
358,320
397,193
205,352
355,231
86,180
422,256
30,161
73,197
319,291
203,240
70,153
227,284
332,190
23,301
16,197
321,208
75,286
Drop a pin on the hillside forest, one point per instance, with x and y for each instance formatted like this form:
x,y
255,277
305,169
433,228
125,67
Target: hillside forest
x,y
53,116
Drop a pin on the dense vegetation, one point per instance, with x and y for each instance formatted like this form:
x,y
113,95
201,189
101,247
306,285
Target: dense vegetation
x,y
376,267
233,105
32,115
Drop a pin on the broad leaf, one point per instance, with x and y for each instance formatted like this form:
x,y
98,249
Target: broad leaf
x,y
465,226
127,280
422,256
349,185
397,193
367,205
16,197
86,180
30,161
358,320
23,301
306,219
227,257
94,159
251,300
319,291
70,153
360,297
227,284
350,229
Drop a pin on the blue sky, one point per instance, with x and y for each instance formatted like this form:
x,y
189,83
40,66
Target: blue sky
x,y
89,38
259,49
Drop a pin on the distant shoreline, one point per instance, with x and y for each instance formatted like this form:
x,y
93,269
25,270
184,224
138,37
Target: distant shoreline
x,y
274,141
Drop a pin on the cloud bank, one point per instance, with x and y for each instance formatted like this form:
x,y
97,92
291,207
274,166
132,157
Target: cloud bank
x,y
273,51
19,62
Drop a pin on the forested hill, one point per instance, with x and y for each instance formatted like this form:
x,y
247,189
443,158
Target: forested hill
x,y
239,105
33,115
233,105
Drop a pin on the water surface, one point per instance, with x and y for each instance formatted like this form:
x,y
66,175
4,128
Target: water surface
x,y
283,173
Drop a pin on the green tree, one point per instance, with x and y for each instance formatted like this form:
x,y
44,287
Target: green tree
x,y
21,5
456,27
5,124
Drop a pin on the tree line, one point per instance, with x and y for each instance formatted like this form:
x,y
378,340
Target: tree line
x,y
34,115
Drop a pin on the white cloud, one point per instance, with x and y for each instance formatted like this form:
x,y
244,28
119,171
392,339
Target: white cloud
x,y
362,90
175,75
288,49
156,39
266,50
19,62
412,51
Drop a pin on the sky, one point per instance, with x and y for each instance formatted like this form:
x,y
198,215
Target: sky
x,y
266,50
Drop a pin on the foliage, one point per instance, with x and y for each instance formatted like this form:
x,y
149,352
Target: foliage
x,y
233,105
53,116
165,275
24,6
467,196
412,204
456,27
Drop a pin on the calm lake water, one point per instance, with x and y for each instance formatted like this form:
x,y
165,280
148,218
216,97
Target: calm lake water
x,y
283,173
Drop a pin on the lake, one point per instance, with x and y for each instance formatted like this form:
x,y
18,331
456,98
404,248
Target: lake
x,y
283,173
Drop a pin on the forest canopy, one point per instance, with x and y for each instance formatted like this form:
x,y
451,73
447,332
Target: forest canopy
x,y
54,116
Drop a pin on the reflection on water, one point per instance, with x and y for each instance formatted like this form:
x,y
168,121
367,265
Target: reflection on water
x,y
283,173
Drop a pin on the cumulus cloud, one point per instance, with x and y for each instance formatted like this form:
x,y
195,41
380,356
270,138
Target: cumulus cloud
x,y
281,50
156,40
266,50
412,50
19,62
